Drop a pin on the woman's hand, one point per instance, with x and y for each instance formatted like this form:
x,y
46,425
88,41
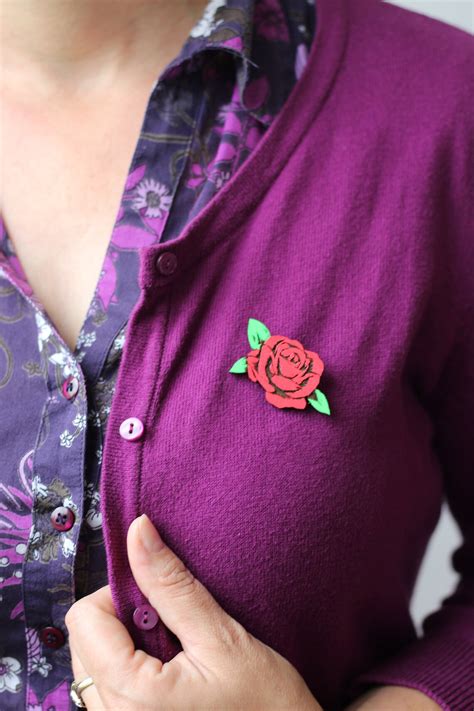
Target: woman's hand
x,y
222,666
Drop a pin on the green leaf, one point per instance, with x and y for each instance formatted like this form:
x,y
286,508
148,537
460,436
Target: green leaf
x,y
257,333
320,402
240,366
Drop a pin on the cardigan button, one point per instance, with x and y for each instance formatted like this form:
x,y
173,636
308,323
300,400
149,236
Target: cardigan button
x,y
62,518
52,637
167,263
131,429
145,617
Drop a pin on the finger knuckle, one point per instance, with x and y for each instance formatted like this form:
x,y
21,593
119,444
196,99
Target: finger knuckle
x,y
232,635
176,577
142,663
75,614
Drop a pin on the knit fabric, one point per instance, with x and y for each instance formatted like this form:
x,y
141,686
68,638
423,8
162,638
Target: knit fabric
x,y
349,229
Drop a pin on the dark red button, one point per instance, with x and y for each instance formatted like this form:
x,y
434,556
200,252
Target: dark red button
x,y
145,617
62,518
70,387
167,263
52,637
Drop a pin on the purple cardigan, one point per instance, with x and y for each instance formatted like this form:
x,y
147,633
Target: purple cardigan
x,y
350,230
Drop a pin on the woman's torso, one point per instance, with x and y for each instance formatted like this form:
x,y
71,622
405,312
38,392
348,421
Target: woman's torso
x,y
59,163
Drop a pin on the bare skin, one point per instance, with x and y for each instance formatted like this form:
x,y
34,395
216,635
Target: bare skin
x,y
72,106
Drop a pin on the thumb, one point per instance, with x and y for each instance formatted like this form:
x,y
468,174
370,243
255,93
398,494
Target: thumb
x,y
185,606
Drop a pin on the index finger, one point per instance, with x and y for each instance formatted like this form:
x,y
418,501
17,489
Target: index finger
x,y
101,642
90,695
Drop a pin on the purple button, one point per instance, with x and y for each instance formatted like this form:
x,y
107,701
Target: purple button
x,y
145,617
62,518
167,263
131,428
70,387
52,637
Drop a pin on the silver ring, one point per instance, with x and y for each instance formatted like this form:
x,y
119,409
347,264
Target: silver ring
x,y
77,687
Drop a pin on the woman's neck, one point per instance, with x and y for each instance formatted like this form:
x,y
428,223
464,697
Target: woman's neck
x,y
85,45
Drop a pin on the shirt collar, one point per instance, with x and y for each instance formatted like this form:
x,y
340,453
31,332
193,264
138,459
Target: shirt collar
x,y
227,25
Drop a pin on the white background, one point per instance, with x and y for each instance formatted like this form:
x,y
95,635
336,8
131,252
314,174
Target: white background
x,y
457,12
437,579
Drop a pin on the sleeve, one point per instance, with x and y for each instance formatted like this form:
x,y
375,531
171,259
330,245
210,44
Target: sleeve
x,y
440,663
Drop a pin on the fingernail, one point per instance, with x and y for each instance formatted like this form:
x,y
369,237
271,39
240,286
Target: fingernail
x,y
149,536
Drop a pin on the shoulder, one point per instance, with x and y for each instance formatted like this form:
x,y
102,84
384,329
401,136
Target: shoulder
x,y
415,57
411,31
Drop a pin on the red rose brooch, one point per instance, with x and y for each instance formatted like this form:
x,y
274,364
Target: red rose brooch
x,y
287,372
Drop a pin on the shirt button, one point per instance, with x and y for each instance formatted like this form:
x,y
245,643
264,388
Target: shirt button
x,y
167,263
62,518
70,387
131,428
52,637
145,617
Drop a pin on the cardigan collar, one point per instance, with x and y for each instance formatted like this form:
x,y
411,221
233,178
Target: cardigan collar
x,y
219,220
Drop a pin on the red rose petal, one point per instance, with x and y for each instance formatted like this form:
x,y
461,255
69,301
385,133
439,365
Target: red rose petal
x,y
288,369
273,341
307,387
292,343
273,366
282,402
285,384
265,356
317,365
252,363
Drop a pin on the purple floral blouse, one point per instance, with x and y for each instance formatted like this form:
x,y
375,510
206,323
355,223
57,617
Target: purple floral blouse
x,y
205,114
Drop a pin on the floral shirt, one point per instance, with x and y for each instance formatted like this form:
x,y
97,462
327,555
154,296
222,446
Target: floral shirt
x,y
205,114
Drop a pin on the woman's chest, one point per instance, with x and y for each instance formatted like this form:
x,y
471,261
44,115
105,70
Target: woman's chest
x,y
62,188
